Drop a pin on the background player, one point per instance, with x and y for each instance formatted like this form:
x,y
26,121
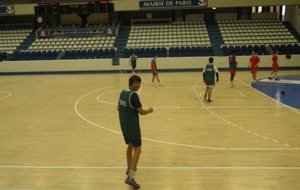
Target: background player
x,y
209,72
129,107
132,62
274,65
154,71
232,67
253,65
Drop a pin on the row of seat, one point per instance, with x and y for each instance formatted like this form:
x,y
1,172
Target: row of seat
x,y
262,49
260,41
238,32
169,28
190,51
172,25
51,55
256,33
3,56
89,54
12,30
71,44
172,52
146,52
253,24
169,35
38,55
168,44
273,20
10,39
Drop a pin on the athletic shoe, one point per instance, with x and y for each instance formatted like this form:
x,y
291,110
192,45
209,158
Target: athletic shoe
x,y
277,79
209,100
270,78
160,84
132,183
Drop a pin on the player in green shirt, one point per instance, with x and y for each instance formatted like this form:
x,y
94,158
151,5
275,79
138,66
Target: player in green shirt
x,y
130,107
209,72
132,62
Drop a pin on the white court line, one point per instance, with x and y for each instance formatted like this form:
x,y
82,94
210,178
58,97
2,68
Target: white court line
x,y
224,100
16,189
140,90
155,167
287,106
264,137
168,142
8,95
284,81
243,95
197,94
90,122
99,99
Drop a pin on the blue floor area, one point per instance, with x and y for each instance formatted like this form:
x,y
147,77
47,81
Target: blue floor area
x,y
286,91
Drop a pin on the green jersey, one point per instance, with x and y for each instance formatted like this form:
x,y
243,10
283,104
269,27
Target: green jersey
x,y
210,70
128,106
133,60
232,62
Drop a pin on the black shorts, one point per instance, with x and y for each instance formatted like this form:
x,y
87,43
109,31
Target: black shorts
x,y
154,72
133,66
134,142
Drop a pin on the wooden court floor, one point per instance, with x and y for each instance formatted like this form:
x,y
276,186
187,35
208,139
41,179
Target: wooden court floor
x,y
62,132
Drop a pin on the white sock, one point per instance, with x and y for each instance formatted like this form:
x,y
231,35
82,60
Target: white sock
x,y
131,174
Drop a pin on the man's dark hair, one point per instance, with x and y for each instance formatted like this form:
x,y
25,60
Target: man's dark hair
x,y
134,78
210,60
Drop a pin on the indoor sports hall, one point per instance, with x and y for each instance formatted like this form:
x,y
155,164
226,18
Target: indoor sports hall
x,y
64,64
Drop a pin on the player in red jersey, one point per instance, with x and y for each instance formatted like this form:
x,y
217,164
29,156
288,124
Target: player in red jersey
x,y
275,65
232,67
253,65
154,71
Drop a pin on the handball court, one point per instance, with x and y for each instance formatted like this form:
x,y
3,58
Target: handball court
x,y
62,132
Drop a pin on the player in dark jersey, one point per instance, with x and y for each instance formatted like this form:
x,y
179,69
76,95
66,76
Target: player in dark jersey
x,y
132,62
232,67
129,107
209,72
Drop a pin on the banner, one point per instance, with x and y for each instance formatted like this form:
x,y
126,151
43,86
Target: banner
x,y
78,32
172,4
7,9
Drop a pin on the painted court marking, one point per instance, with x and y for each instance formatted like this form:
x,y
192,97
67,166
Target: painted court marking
x,y
242,94
235,125
168,142
289,107
100,99
152,167
7,94
283,81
